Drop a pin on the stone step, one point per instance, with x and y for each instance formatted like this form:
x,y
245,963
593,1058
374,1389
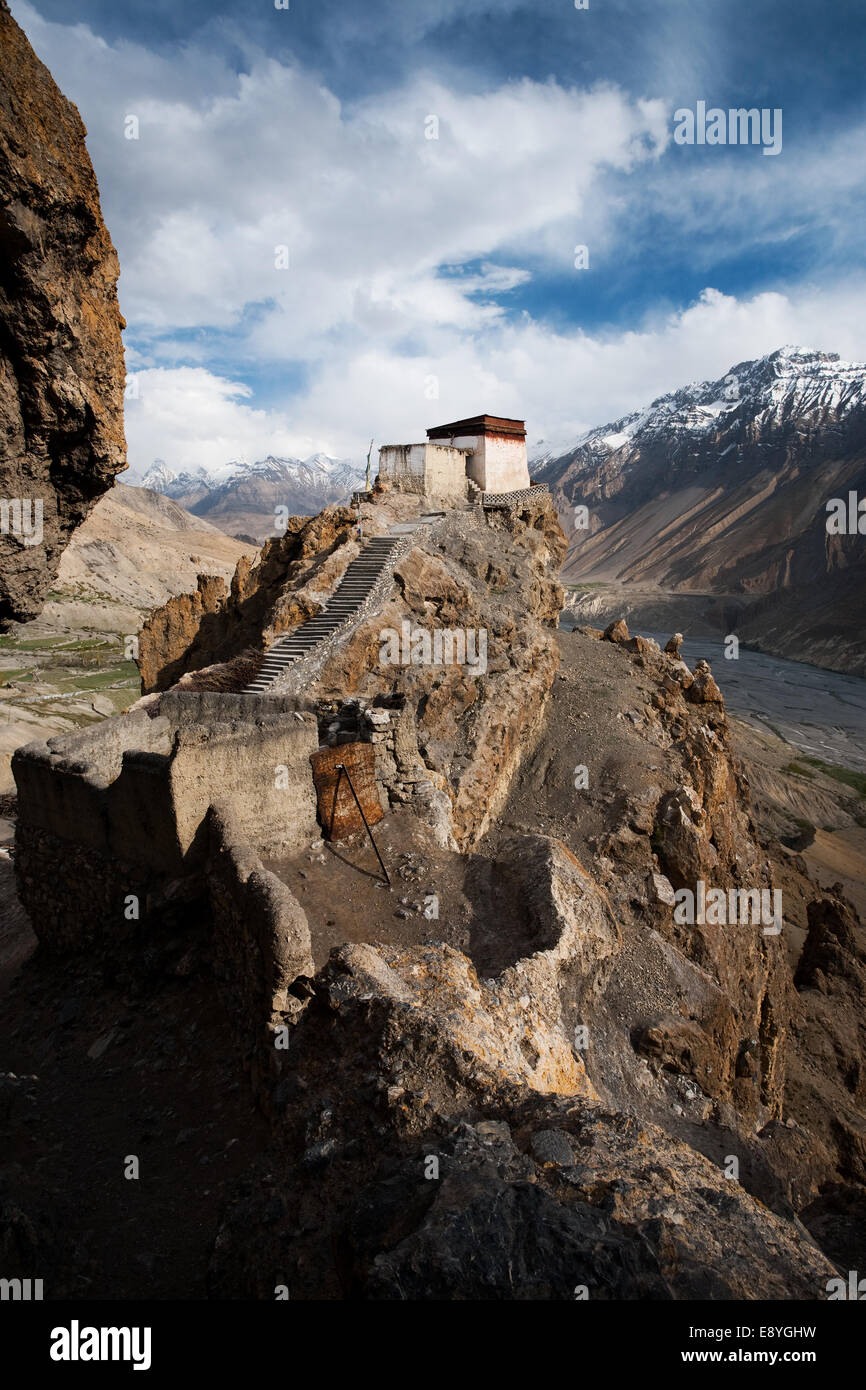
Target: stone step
x,y
348,598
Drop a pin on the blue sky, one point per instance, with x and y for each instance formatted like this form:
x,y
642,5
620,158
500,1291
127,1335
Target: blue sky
x,y
431,278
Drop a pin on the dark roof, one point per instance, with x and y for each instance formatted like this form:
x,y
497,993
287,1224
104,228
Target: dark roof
x,y
479,424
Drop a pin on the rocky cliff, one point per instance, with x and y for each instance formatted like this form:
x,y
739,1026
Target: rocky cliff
x,y
61,357
558,1067
492,576
514,1070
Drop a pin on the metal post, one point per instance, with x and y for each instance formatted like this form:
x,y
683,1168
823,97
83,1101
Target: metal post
x,y
341,768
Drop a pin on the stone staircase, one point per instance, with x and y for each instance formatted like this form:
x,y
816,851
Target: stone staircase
x,y
354,590
474,493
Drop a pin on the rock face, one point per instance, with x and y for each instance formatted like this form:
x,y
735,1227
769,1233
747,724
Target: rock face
x,y
470,1124
490,576
141,548
61,356
293,576
532,1075
437,1139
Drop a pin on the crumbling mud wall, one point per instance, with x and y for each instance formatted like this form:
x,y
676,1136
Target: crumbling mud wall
x,y
62,371
118,812
261,942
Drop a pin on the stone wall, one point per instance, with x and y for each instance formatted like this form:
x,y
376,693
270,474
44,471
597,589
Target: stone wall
x,y
402,465
121,809
261,946
402,776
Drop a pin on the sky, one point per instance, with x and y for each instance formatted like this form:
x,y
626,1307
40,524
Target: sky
x,y
350,219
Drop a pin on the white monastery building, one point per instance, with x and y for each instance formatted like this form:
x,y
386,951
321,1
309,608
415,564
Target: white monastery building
x,y
486,451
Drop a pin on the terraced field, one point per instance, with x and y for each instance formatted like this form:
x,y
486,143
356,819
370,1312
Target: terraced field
x,y
60,681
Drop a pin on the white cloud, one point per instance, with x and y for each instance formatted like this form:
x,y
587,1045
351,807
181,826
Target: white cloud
x,y
381,223
192,418
228,167
561,383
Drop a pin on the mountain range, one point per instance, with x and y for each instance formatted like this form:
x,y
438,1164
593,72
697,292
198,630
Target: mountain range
x,y
720,490
242,498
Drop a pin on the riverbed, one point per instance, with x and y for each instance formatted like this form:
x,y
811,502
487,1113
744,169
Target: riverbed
x,y
822,713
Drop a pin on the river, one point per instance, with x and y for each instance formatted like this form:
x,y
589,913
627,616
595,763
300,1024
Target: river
x,y
820,712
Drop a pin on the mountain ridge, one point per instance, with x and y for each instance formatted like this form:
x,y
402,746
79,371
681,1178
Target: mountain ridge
x,y
244,497
726,495
700,404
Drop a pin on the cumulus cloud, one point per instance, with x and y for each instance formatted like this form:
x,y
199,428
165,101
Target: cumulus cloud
x,y
561,383
261,222
192,418
228,168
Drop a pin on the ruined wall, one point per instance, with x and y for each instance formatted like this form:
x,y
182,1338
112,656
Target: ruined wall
x,y
403,466
61,358
261,766
261,945
121,809
402,777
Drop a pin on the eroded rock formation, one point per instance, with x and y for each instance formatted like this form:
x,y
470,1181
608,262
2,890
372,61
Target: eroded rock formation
x,y
472,724
61,356
519,1073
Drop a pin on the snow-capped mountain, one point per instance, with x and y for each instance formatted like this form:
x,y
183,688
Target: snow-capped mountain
x,y
243,497
160,478
722,488
790,384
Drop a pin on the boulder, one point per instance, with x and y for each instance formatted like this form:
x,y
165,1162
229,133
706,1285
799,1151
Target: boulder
x,y
617,632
